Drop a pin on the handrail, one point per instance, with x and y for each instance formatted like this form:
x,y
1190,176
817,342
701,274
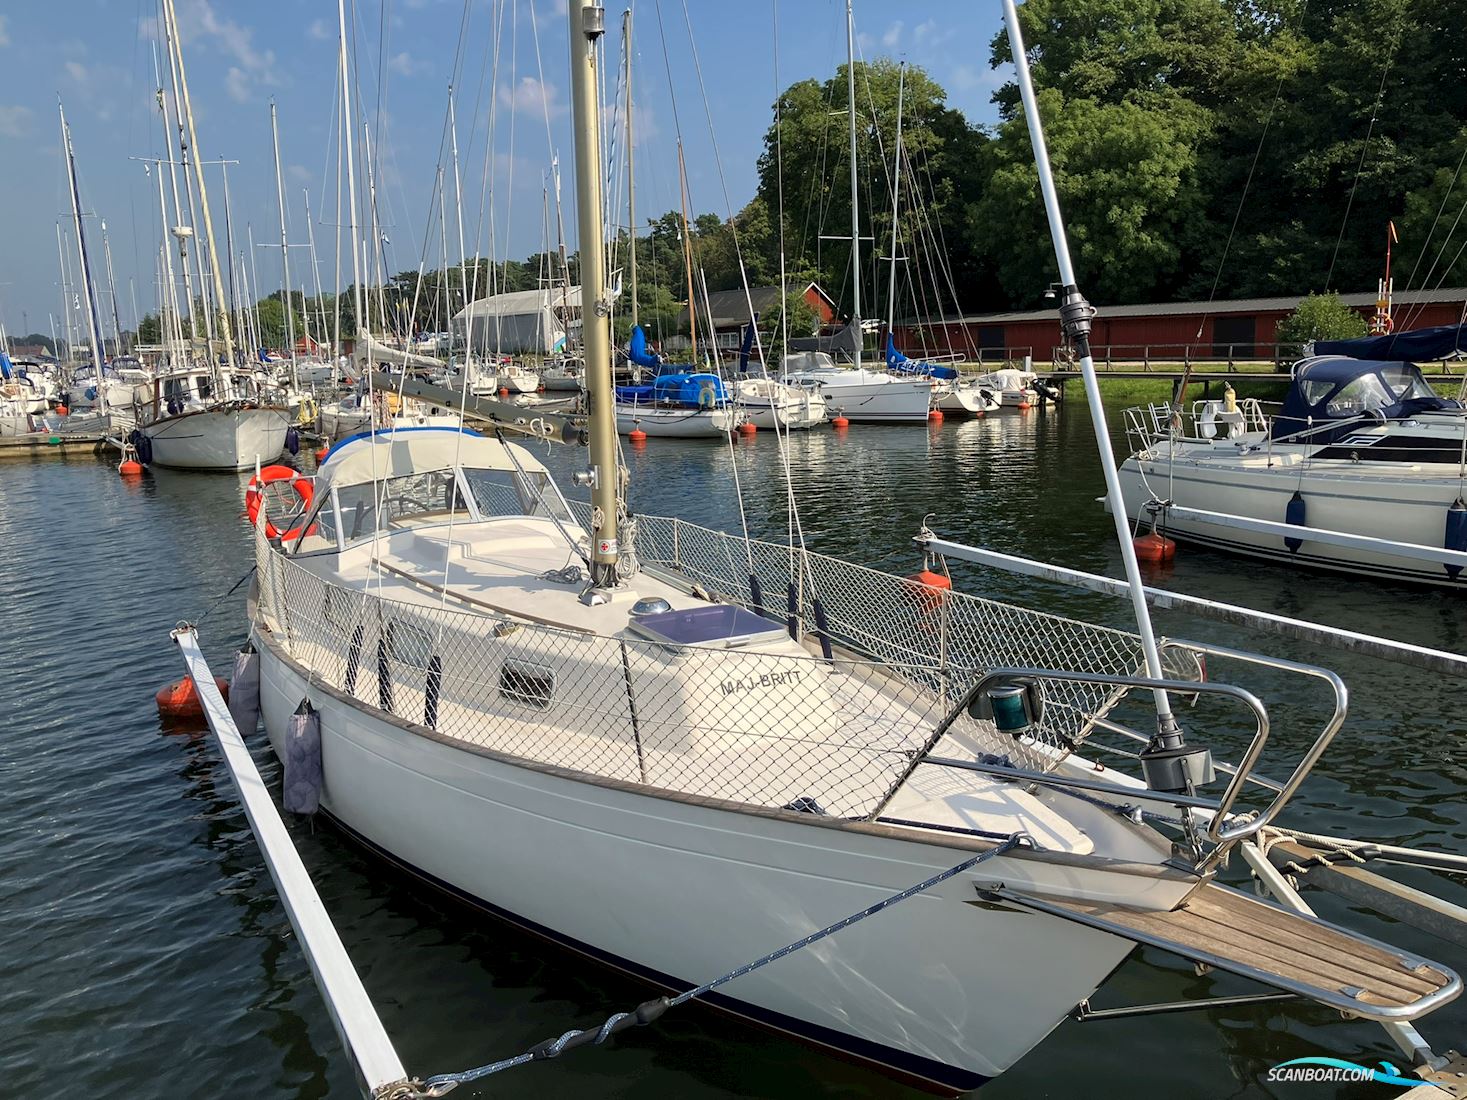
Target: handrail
x,y
1223,835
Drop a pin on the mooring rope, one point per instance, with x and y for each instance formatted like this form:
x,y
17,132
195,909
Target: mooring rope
x,y
648,1011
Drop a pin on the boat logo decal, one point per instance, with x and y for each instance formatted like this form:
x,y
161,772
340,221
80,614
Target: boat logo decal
x,y
765,680
1339,1071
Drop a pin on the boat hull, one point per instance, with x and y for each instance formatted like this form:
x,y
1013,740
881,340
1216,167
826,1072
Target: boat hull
x,y
637,880
219,439
676,423
895,402
1338,496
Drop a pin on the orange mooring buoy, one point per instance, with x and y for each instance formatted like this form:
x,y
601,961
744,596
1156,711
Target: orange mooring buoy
x,y
748,427
839,422
503,391
130,467
934,416
181,700
637,435
1154,547
62,410
929,588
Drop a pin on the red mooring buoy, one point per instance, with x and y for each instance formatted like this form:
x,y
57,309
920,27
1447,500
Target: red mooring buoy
x,y
929,588
748,427
1154,547
934,416
130,468
839,422
181,700
637,435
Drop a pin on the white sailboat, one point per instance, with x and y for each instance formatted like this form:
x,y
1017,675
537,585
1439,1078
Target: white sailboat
x,y
212,416
858,394
1362,448
659,769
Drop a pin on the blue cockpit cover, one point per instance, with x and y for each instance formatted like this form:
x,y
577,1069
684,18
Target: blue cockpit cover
x,y
5,370
692,390
1443,342
898,363
1398,391
638,352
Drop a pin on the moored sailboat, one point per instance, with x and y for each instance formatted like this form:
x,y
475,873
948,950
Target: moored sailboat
x,y
729,744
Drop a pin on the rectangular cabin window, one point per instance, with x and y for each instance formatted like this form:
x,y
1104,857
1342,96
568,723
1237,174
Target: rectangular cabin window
x,y
527,684
510,493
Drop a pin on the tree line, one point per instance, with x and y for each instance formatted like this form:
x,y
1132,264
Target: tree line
x,y
1227,148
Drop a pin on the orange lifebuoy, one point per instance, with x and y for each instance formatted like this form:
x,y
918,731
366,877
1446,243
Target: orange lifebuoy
x,y
304,488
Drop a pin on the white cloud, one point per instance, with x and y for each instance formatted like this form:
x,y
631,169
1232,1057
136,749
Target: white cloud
x,y
320,31
965,78
4,36
253,66
14,121
77,71
925,32
531,95
893,35
404,64
238,84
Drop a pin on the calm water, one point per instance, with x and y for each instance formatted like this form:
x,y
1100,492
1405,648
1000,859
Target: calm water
x,y
142,946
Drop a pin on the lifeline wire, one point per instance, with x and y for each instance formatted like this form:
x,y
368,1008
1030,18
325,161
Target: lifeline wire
x,y
648,1011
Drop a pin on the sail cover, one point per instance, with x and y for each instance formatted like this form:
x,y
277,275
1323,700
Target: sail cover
x,y
1444,342
637,352
898,363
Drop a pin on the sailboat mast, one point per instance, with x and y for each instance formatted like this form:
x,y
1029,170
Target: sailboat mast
x,y
855,178
193,140
117,348
321,328
587,24
1075,315
896,202
65,296
626,46
93,323
284,248
229,252
682,177
351,177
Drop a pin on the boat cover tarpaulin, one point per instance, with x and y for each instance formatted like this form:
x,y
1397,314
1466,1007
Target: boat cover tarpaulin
x,y
846,341
1351,391
898,363
1443,342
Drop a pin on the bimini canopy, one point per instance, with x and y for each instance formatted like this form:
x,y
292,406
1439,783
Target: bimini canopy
x,y
898,363
1445,342
399,452
1350,391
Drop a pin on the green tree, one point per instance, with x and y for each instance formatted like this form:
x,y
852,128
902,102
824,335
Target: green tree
x,y
810,151
1320,317
1128,183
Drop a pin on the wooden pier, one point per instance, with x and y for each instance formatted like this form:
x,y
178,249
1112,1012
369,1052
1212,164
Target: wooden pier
x,y
50,444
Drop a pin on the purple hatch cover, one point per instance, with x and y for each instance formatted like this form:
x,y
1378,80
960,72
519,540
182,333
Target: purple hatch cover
x,y
715,623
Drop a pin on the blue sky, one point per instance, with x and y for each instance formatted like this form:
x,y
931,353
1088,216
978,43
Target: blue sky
x,y
97,57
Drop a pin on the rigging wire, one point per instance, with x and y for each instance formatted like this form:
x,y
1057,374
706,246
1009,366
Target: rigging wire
x,y
1248,186
1364,150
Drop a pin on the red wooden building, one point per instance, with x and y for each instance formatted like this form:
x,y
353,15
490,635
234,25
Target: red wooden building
x,y
1171,331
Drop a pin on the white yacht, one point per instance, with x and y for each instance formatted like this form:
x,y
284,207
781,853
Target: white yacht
x,y
1360,447
768,404
678,751
859,394
191,425
964,397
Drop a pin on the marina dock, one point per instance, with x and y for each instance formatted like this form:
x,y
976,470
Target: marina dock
x,y
43,443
